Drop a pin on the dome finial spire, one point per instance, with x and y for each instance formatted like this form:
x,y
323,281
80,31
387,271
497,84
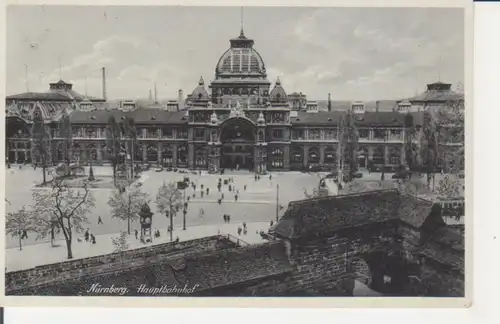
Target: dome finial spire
x,y
242,34
201,82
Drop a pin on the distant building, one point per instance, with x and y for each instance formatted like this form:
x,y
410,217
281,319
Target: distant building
x,y
297,100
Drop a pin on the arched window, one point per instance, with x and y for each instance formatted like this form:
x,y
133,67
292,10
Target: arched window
x,y
182,155
167,156
314,155
277,158
152,153
297,154
201,157
331,155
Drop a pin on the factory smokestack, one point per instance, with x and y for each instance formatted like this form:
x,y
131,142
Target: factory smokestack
x,y
329,103
180,101
104,95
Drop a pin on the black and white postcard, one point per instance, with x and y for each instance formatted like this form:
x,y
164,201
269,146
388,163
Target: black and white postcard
x,y
243,150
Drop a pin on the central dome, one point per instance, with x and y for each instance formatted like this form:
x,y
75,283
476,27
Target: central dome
x,y
241,59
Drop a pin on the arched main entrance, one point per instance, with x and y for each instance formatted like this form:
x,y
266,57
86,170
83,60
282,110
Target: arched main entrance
x,y
238,141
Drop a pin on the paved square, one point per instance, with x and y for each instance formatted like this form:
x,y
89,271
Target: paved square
x,y
255,204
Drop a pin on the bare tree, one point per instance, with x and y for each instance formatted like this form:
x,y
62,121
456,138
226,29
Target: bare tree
x,y
66,133
41,141
49,226
120,243
16,223
169,202
129,130
126,204
451,186
66,206
113,143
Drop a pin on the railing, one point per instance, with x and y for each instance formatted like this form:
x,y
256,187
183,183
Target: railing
x,y
236,240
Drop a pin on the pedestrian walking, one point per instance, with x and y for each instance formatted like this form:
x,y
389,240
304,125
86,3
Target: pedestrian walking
x,y
245,188
202,193
229,188
92,236
270,177
219,201
239,230
99,220
225,218
136,234
244,225
208,191
86,235
229,218
201,186
222,196
271,224
236,197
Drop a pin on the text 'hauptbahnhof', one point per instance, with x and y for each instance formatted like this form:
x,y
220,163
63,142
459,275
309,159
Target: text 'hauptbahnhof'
x,y
239,120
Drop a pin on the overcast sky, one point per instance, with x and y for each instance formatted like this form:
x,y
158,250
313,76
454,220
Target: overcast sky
x,y
352,53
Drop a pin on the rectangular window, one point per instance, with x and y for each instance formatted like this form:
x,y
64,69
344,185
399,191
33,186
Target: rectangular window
x,y
298,134
168,132
363,133
182,134
379,134
330,134
152,133
278,134
314,134
199,134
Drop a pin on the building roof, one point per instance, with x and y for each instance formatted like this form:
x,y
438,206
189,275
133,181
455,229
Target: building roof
x,y
368,118
229,267
200,93
437,92
206,271
241,59
447,246
140,115
59,91
278,94
328,214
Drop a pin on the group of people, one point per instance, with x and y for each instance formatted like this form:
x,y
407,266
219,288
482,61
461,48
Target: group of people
x,y
89,237
244,229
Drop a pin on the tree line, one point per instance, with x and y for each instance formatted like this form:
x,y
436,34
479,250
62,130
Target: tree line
x,y
65,210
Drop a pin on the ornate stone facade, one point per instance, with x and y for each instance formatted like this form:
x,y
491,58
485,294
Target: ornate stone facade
x,y
238,121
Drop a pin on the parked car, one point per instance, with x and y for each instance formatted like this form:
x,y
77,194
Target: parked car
x,y
401,174
159,169
357,175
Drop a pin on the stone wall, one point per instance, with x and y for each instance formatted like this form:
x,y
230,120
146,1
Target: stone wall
x,y
68,270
